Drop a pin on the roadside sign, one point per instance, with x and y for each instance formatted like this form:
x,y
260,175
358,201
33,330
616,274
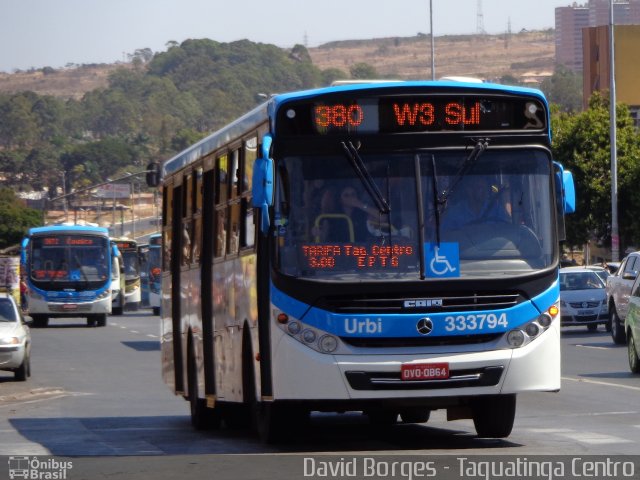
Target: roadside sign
x,y
114,190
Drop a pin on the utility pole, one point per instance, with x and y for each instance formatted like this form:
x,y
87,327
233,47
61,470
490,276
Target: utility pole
x,y
433,49
615,238
480,20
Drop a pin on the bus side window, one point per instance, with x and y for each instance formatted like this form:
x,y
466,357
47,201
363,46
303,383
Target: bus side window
x,y
221,232
234,173
234,228
248,229
187,233
250,156
167,204
197,217
221,179
248,237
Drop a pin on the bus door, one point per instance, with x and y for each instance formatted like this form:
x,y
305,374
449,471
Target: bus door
x,y
176,302
207,282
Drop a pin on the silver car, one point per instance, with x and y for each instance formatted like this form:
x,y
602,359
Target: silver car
x,y
583,300
15,339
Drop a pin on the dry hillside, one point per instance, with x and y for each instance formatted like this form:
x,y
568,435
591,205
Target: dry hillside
x,y
526,56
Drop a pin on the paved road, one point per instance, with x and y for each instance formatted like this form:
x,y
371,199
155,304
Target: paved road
x,y
98,392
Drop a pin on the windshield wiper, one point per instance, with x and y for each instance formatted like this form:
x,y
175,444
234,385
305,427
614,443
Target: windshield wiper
x,y
479,148
436,199
365,177
421,221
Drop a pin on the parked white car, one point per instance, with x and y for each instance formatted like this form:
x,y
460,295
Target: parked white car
x,y
583,300
15,339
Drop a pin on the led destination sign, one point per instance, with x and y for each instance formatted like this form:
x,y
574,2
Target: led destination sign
x,y
64,240
377,257
418,113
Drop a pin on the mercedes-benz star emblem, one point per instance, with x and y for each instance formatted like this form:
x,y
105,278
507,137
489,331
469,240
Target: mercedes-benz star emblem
x,y
424,326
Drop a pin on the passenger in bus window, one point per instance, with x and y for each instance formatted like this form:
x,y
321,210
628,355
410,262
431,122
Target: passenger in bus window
x,y
186,244
322,211
221,233
357,210
475,201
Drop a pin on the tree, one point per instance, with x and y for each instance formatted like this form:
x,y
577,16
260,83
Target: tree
x,y
581,144
15,218
363,71
564,88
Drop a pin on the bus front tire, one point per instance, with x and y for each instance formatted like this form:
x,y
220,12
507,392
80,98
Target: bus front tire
x,y
415,415
382,416
493,415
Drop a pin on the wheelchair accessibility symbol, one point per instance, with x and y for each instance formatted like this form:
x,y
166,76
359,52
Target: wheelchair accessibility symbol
x,y
442,261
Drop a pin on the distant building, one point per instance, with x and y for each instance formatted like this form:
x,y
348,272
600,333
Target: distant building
x,y
627,69
572,19
568,35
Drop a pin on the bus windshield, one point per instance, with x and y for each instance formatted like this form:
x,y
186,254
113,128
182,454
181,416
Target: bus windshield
x,y
494,207
131,263
58,261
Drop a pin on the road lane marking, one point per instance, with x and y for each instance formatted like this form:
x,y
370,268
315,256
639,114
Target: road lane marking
x,y
599,382
152,336
594,347
593,438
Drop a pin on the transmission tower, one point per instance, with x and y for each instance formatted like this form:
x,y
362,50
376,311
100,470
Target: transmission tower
x,y
480,20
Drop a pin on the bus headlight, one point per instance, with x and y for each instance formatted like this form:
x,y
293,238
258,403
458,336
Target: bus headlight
x,y
105,294
515,338
312,337
294,328
526,333
308,336
328,343
35,296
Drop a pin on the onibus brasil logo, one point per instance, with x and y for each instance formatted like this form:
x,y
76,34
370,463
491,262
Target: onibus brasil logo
x,y
33,468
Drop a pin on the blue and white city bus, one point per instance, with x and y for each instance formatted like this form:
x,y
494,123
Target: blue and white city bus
x,y
68,273
385,248
128,247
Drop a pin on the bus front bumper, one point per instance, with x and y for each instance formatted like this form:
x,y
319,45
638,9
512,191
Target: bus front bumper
x,y
534,367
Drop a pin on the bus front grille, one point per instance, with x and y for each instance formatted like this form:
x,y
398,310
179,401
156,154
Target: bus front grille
x,y
433,303
394,342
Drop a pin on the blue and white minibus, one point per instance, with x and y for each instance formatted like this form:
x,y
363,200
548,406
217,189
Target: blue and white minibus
x,y
68,273
389,248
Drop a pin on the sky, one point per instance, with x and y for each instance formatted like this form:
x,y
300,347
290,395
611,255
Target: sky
x,y
55,33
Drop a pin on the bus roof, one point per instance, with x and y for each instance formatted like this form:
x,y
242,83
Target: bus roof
x,y
263,112
73,229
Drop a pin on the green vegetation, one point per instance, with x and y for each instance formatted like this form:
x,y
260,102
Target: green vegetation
x,y
15,219
581,144
170,100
